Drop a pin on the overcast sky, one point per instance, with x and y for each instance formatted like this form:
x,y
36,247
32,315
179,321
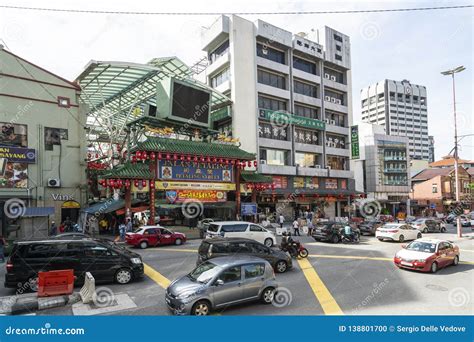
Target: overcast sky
x,y
411,45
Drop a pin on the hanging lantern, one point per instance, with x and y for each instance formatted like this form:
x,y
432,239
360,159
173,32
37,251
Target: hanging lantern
x,y
138,155
255,163
181,157
214,160
273,186
202,159
112,183
143,182
96,156
249,163
152,156
152,184
226,161
221,161
188,158
119,183
160,156
195,159
168,156
135,182
232,162
208,159
127,183
145,155
175,157
134,159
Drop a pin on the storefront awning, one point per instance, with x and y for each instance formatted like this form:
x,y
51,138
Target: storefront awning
x,y
130,171
38,211
218,150
253,177
108,206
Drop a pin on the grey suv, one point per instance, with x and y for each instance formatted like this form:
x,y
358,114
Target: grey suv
x,y
222,282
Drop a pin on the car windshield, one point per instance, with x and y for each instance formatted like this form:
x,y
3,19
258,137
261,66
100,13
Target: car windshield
x,y
419,221
204,272
419,246
138,230
213,228
391,226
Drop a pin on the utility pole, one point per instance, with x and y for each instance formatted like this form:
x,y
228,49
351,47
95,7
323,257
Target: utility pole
x,y
456,172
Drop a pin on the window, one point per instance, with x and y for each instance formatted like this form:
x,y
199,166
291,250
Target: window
x,y
219,51
239,247
220,248
338,57
305,159
274,157
337,119
220,78
304,65
234,228
259,249
304,136
306,111
271,79
336,141
339,97
267,52
255,228
231,274
269,131
434,188
305,88
337,162
95,250
338,47
271,103
254,270
337,38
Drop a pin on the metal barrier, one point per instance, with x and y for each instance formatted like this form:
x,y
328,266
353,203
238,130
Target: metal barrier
x,y
88,290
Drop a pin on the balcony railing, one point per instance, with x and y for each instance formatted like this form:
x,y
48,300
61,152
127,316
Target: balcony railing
x,y
394,157
394,170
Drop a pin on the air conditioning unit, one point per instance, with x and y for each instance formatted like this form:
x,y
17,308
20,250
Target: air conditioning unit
x,y
327,98
54,183
326,121
332,122
327,76
265,51
263,161
338,101
333,99
150,110
333,78
317,166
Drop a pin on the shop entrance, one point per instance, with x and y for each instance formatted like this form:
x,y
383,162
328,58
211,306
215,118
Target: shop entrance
x,y
70,209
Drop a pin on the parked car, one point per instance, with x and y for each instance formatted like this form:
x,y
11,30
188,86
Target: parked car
x,y
204,224
153,236
369,227
241,229
218,247
221,282
426,225
427,255
104,261
328,231
67,236
397,232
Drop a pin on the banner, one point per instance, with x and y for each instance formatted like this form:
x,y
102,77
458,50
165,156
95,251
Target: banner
x,y
355,153
280,182
194,186
18,154
285,119
331,183
194,171
177,196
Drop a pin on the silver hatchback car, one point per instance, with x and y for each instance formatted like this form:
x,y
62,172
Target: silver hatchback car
x,y
221,282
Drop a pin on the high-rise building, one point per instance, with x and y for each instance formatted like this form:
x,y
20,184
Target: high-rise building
x,y
291,105
431,154
400,107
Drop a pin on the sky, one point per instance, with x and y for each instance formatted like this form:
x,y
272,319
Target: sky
x,y
415,46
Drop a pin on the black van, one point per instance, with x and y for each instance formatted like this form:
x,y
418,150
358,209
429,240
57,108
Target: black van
x,y
105,260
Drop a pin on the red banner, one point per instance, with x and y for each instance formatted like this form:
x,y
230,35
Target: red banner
x,y
201,195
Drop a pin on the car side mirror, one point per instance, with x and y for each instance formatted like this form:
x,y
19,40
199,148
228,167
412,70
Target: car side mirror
x,y
219,282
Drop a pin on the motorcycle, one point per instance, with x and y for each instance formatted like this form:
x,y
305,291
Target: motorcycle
x,y
293,247
353,238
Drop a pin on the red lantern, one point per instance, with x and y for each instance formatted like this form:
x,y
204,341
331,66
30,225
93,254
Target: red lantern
x,y
119,183
175,157
232,162
214,160
208,159
138,155
195,159
227,162
152,156
188,158
202,159
152,185
160,156
112,183
249,163
143,182
181,157
168,156
145,155
255,163
135,182
127,183
134,159
97,156
221,161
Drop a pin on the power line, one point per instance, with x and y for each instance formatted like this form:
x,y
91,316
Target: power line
x,y
63,10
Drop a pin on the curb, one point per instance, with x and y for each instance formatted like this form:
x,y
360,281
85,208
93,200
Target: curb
x,y
28,304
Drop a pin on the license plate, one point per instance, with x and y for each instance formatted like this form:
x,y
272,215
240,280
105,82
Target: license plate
x,y
404,263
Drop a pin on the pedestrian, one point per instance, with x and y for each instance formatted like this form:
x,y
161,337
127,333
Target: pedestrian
x,y
296,227
54,229
122,231
310,227
3,244
68,224
129,226
281,220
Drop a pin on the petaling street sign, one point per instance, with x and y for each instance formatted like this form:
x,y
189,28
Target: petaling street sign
x,y
179,170
282,119
177,196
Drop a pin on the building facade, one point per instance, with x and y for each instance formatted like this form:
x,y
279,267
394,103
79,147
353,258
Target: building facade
x,y
402,108
382,168
42,148
291,105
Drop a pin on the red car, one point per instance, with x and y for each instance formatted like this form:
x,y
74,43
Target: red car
x,y
427,255
154,236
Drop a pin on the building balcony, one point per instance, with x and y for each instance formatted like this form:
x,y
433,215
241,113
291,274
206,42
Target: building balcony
x,y
215,33
302,75
336,129
335,85
341,173
335,107
223,87
309,100
218,64
299,147
396,183
274,143
273,91
311,171
394,170
277,169
338,151
401,158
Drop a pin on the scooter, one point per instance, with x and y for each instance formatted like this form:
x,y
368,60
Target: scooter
x,y
353,238
294,247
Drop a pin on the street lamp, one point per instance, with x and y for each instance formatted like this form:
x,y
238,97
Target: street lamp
x,y
456,173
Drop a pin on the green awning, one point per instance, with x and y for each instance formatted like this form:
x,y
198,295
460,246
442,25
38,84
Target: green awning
x,y
130,171
253,177
218,150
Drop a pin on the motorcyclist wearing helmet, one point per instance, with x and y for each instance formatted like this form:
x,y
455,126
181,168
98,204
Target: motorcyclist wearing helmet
x,y
348,232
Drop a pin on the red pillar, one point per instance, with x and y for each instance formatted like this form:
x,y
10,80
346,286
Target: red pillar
x,y
237,190
128,202
151,192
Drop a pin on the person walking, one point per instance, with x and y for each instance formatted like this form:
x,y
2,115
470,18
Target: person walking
x,y
310,227
296,227
3,244
54,229
122,229
281,220
129,226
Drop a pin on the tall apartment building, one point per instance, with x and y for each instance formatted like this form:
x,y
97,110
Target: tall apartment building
x,y
402,108
291,105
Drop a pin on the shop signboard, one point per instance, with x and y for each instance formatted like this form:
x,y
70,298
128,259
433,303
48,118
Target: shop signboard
x,y
194,171
306,183
331,183
280,182
18,154
355,153
172,185
248,209
286,118
343,183
197,195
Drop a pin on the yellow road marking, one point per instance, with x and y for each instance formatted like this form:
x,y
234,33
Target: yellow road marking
x,y
354,257
327,301
156,276
174,250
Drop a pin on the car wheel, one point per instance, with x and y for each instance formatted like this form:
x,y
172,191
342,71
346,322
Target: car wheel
x,y
380,239
281,266
143,245
418,236
268,242
401,238
425,230
434,267
267,295
443,230
30,285
335,239
123,276
201,308
456,260
178,241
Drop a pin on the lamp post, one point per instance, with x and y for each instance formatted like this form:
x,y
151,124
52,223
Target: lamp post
x,y
456,173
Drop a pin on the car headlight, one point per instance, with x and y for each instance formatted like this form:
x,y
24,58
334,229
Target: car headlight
x,y
420,260
136,260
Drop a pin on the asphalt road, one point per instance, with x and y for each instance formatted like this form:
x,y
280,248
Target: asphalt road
x,y
335,279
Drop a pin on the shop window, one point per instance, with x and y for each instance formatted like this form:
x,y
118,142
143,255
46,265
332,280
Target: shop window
x,y
274,157
305,159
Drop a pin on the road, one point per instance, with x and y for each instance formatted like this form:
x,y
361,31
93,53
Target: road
x,y
335,279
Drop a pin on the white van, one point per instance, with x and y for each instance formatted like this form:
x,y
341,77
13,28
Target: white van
x,y
241,229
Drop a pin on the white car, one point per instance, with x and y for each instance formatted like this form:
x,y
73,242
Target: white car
x,y
397,232
241,229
